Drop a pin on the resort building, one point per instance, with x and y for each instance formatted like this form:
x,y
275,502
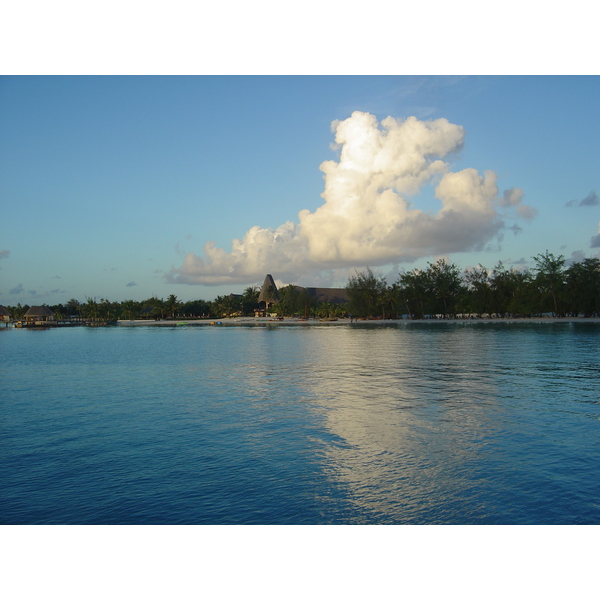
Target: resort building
x,y
331,295
39,315
267,298
5,316
269,295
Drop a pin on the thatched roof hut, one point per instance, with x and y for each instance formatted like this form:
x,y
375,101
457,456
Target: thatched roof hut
x,y
268,293
4,314
39,313
267,297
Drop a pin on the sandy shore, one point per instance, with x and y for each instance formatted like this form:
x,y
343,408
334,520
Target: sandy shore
x,y
375,322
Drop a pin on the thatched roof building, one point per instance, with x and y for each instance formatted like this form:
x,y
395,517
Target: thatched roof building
x,y
331,295
4,314
39,313
269,295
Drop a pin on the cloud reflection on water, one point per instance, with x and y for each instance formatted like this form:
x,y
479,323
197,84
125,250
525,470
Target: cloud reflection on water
x,y
410,412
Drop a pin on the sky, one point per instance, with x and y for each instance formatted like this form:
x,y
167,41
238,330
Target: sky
x,y
127,187
111,187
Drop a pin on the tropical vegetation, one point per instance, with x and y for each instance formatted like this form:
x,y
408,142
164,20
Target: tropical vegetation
x,y
442,291
439,291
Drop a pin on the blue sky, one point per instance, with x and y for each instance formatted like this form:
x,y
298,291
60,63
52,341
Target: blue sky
x,y
108,183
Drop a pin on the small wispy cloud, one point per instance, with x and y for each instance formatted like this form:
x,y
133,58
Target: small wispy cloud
x,y
131,284
576,257
595,241
178,246
591,199
516,229
16,290
4,253
511,197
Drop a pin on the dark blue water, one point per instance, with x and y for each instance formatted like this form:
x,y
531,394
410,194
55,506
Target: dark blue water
x,y
443,423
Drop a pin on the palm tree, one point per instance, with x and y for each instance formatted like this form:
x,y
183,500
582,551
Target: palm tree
x,y
152,308
129,308
171,305
90,309
250,299
108,310
221,306
18,311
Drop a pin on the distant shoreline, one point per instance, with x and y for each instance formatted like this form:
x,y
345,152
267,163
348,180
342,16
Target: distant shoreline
x,y
240,321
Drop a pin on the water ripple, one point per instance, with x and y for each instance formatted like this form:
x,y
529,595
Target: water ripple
x,y
439,423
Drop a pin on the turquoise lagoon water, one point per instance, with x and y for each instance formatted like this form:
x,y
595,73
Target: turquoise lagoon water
x,y
441,423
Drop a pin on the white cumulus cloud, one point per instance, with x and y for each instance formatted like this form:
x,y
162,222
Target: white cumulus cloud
x,y
370,213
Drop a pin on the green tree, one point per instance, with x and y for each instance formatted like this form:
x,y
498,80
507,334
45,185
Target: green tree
x,y
152,308
196,308
73,307
524,295
582,289
172,304
130,309
294,300
502,292
60,311
390,301
413,292
445,286
325,310
288,301
218,306
365,292
250,300
236,306
550,279
108,311
18,311
479,296
91,309
226,306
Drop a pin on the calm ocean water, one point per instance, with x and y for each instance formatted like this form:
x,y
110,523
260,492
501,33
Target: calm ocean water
x,y
443,423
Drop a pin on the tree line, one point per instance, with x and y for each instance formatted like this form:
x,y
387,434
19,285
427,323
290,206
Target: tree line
x,y
151,308
441,290
293,300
